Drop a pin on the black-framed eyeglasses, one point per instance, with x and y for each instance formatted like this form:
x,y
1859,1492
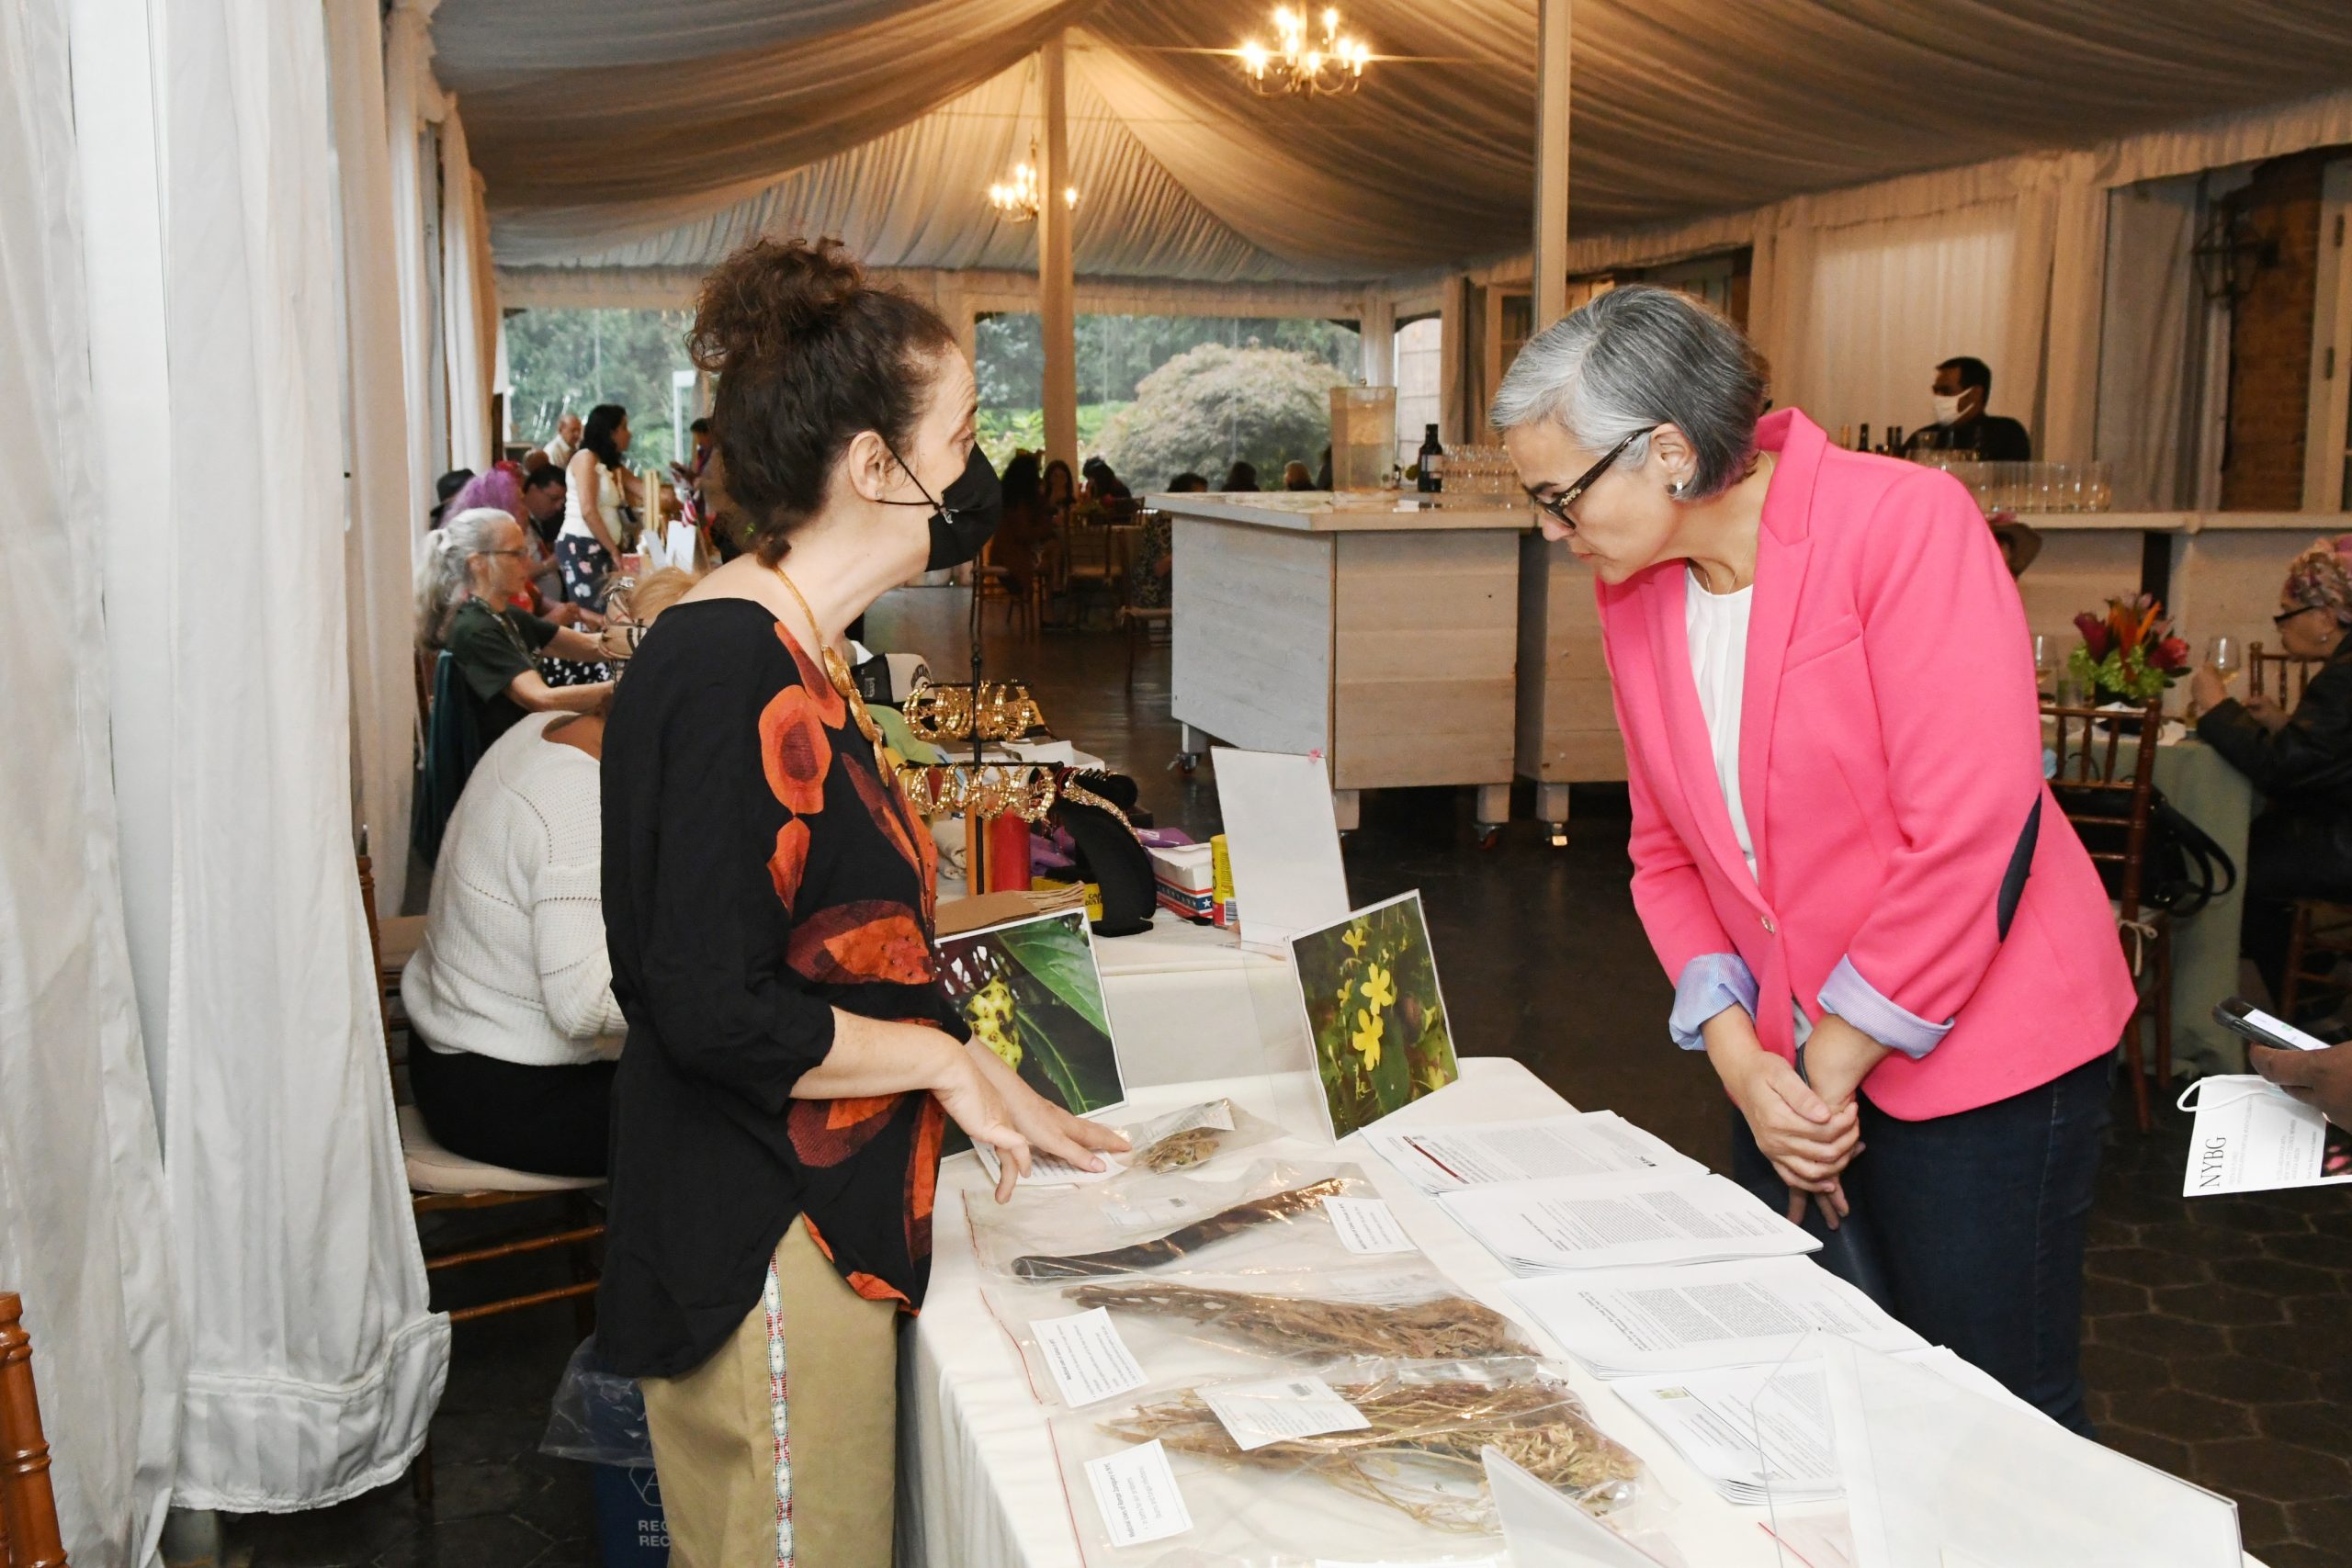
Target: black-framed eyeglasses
x,y
2283,616
1558,505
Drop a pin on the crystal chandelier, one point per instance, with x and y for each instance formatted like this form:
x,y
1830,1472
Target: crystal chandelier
x,y
1016,200
1306,67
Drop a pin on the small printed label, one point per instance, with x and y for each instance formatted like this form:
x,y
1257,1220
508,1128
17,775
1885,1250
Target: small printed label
x,y
1256,1413
1136,1493
1087,1358
1365,1225
1044,1170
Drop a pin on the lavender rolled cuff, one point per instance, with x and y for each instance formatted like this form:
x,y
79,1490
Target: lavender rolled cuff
x,y
1856,1000
1709,983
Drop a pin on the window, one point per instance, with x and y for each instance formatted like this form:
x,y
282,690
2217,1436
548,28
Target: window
x,y
569,361
1159,394
1419,349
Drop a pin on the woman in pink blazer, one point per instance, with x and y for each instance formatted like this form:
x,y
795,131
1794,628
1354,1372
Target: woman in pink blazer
x,y
1880,929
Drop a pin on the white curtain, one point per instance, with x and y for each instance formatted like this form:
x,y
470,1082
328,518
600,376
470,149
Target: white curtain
x,y
314,1365
382,517
411,101
1888,300
468,301
2147,353
83,1236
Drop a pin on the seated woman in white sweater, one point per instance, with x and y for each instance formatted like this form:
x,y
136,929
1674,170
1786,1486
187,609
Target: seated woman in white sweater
x,y
510,991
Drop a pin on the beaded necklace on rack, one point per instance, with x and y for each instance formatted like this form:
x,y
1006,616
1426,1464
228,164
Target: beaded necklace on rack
x,y
836,667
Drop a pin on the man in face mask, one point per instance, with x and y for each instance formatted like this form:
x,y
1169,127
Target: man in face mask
x,y
1960,388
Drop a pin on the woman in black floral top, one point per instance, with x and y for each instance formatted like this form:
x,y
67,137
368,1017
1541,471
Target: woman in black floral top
x,y
791,1061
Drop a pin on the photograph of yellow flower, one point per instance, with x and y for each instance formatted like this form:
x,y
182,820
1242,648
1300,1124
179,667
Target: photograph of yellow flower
x,y
1033,995
1369,984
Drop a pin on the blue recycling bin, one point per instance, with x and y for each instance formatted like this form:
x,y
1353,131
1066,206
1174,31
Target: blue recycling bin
x,y
630,1530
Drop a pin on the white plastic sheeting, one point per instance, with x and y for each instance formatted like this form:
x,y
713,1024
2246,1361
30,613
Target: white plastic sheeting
x,y
594,137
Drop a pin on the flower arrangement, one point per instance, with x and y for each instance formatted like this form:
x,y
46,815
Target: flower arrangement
x,y
2132,655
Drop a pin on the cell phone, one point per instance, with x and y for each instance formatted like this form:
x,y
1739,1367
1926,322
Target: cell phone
x,y
2242,1017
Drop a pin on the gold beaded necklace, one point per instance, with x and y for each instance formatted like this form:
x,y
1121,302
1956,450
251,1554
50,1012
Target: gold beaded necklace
x,y
836,667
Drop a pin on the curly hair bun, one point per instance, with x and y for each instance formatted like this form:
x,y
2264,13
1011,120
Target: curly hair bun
x,y
757,301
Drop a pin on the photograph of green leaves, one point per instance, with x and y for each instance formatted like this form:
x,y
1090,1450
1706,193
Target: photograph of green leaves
x,y
1033,995
1373,1008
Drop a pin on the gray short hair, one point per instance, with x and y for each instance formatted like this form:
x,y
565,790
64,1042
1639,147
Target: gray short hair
x,y
1638,357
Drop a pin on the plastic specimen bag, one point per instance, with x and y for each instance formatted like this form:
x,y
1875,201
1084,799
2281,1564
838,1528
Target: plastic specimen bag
x,y
1161,1324
1355,1461
1269,1215
1938,1475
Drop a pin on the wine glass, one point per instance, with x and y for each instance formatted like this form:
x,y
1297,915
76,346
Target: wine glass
x,y
2222,654
2045,660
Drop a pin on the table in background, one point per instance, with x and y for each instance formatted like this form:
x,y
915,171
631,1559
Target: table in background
x,y
2200,783
1377,631
2203,787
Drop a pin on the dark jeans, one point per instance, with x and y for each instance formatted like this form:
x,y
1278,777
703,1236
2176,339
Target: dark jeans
x,y
1970,1228
549,1121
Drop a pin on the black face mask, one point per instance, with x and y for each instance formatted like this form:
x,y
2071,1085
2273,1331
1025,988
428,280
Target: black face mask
x,y
965,516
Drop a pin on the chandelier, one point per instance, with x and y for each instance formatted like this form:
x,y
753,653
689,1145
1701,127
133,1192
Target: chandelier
x,y
1305,68
1016,200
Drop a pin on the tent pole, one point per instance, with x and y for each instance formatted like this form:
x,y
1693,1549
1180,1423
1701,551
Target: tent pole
x,y
1551,57
1056,285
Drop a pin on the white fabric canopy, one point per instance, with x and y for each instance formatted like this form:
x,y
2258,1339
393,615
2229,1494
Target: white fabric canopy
x,y
83,1236
703,122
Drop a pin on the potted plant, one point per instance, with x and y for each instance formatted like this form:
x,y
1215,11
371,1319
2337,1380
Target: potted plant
x,y
2129,656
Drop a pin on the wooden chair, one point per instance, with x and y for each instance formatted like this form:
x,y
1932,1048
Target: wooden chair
x,y
441,1182
30,1534
2109,810
992,583
2289,665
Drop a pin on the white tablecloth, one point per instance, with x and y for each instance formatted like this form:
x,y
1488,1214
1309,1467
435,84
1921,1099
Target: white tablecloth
x,y
979,1487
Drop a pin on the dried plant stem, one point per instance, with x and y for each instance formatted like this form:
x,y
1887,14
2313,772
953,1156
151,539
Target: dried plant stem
x,y
1435,1429
1446,1328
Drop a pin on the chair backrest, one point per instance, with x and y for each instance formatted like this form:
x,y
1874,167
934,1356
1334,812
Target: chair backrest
x,y
29,1536
2289,664
2106,802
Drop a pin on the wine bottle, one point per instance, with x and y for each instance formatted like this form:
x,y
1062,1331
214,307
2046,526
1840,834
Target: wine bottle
x,y
1432,461
1864,443
1845,437
1895,441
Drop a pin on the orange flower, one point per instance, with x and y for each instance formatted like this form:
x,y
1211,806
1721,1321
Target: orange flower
x,y
794,750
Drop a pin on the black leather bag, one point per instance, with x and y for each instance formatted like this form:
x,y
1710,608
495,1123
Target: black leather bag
x,y
2183,870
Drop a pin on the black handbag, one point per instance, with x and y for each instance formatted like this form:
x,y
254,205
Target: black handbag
x,y
2182,870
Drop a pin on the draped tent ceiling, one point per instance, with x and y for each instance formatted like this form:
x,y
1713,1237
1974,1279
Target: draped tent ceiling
x,y
664,133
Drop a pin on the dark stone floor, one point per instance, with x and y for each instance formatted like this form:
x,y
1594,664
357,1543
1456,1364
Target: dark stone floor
x,y
2220,1334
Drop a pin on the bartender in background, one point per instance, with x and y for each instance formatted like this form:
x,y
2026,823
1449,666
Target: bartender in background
x,y
1961,388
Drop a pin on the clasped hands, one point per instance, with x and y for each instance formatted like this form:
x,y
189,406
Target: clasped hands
x,y
1810,1131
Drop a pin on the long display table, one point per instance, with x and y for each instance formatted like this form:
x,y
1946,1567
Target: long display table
x,y
979,1487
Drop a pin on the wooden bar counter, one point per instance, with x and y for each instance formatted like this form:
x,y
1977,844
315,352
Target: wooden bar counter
x,y
1378,629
